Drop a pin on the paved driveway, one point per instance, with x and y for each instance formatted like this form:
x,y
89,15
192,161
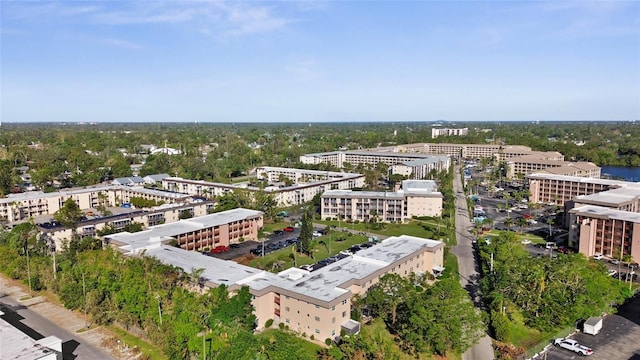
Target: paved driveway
x,y
619,338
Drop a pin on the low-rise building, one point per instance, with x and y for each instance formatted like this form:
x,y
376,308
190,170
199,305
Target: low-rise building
x,y
209,231
420,169
314,303
163,214
23,206
296,194
417,198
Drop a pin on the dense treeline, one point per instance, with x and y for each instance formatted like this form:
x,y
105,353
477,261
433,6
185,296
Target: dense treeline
x,y
542,293
141,292
78,155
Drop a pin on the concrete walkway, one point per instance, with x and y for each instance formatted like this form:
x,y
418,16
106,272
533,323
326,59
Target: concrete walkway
x,y
467,266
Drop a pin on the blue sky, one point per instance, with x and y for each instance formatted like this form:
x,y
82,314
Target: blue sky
x,y
307,61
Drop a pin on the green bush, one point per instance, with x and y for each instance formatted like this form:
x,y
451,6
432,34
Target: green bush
x,y
312,337
281,326
327,341
268,323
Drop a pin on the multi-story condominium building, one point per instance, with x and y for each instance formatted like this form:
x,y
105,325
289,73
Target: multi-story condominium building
x,y
420,169
164,214
560,189
207,231
314,303
417,198
525,165
285,196
435,132
601,230
472,151
298,176
21,207
371,158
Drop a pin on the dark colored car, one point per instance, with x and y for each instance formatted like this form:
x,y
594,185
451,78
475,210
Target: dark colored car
x,y
257,251
278,232
234,246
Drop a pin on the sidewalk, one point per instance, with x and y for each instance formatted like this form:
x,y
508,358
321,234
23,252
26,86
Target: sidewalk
x,y
60,316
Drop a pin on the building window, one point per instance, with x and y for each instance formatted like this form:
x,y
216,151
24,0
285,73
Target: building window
x,y
317,306
286,308
344,302
333,321
333,332
317,318
317,331
344,314
286,320
333,308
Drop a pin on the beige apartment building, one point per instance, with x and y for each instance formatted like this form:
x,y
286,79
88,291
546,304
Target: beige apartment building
x,y
284,195
525,165
197,233
416,198
23,206
298,176
600,230
372,158
314,303
559,189
164,214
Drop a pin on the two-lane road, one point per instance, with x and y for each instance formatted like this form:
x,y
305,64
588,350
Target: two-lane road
x,y
469,276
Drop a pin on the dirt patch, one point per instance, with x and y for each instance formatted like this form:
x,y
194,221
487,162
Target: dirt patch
x,y
245,259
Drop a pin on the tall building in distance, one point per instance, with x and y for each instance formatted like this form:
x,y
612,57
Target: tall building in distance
x,y
435,132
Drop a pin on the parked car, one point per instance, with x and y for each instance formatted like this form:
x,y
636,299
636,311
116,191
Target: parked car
x,y
598,257
573,345
257,251
614,261
278,232
234,246
288,229
220,249
307,267
316,234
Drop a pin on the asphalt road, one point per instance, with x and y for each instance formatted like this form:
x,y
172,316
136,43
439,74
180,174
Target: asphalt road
x,y
39,327
467,266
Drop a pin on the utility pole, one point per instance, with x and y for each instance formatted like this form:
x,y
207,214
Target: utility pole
x,y
159,309
26,247
84,294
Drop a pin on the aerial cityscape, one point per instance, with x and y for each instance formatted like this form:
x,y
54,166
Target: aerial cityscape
x,y
319,180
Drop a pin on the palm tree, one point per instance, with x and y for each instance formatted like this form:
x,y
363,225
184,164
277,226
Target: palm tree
x,y
522,223
508,222
550,221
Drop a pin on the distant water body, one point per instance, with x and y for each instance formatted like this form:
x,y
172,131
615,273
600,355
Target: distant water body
x,y
625,172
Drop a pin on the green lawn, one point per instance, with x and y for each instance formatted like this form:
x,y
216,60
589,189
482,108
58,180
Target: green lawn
x,y
338,241
533,238
146,348
431,229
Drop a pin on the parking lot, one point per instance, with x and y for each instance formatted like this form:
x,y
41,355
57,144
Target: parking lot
x,y
619,338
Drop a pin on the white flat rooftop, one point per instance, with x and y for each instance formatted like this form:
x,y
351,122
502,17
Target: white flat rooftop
x,y
16,345
613,197
581,179
606,213
156,234
325,284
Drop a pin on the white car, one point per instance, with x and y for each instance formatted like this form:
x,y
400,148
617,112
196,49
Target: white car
x,y
611,272
525,242
573,345
598,257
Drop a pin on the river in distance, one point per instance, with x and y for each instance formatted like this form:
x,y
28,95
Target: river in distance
x,y
622,172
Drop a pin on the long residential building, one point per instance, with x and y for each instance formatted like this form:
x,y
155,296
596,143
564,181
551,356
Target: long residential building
x,y
416,198
525,165
470,151
23,206
296,194
314,303
164,214
209,231
419,164
560,189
